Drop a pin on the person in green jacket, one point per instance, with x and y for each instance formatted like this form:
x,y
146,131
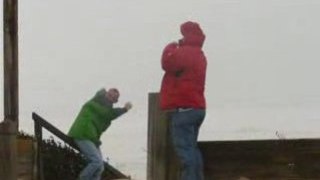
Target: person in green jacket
x,y
94,118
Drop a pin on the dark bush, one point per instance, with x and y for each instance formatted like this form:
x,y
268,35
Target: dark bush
x,y
60,161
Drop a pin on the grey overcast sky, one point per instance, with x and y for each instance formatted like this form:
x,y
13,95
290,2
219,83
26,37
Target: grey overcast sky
x,y
258,51
260,54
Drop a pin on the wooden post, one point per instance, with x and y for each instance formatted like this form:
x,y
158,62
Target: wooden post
x,y
38,134
9,127
162,163
8,152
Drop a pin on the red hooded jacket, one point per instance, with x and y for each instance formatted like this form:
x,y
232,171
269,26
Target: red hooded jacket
x,y
185,66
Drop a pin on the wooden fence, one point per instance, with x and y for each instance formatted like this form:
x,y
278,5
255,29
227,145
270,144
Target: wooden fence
x,y
26,163
27,168
290,159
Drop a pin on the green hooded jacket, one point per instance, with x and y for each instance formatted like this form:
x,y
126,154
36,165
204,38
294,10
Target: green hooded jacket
x,y
94,118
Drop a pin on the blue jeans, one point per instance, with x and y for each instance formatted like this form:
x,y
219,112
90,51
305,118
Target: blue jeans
x,y
93,155
184,133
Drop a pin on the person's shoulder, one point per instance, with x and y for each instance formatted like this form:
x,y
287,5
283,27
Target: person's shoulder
x,y
101,91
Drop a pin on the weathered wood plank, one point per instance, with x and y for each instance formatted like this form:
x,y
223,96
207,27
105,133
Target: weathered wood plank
x,y
9,128
162,162
8,154
264,159
157,141
10,63
26,159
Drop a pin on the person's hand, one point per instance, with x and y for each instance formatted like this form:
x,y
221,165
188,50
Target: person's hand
x,y
172,45
128,106
167,52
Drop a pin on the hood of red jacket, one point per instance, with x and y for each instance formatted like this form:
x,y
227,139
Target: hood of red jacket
x,y
192,34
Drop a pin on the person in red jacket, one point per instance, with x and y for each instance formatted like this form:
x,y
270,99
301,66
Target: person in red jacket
x,y
182,94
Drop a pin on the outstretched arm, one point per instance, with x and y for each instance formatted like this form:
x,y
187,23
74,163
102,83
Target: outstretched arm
x,y
127,106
